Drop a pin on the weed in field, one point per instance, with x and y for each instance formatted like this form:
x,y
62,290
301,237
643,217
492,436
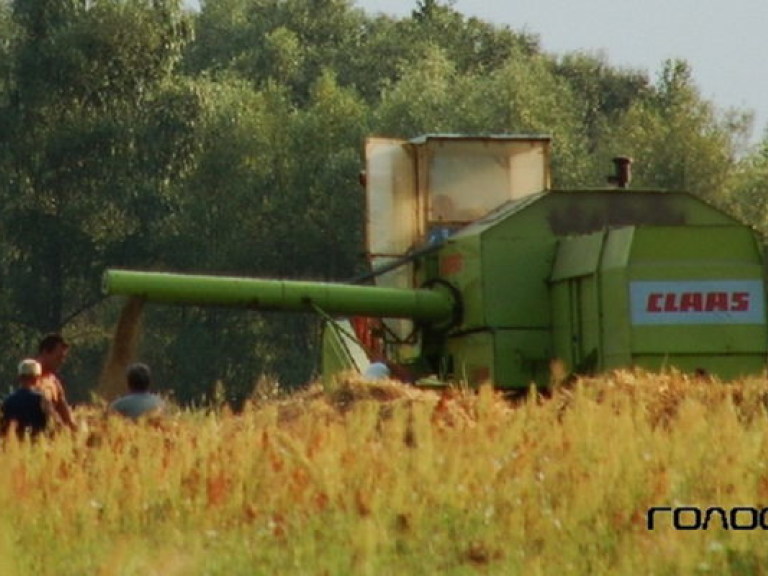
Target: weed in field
x,y
386,479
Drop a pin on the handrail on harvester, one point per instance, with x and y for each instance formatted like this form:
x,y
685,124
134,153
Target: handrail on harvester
x,y
431,306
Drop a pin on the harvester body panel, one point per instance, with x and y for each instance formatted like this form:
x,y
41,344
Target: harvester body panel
x,y
683,297
547,277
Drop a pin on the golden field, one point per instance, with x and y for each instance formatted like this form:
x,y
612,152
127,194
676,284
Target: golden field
x,y
383,479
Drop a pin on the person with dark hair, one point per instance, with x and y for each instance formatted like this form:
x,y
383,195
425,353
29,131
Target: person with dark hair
x,y
51,353
27,411
139,401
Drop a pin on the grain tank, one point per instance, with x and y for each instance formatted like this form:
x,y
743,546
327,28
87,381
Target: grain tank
x,y
502,274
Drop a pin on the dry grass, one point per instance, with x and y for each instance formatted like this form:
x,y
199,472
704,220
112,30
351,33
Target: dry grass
x,y
384,479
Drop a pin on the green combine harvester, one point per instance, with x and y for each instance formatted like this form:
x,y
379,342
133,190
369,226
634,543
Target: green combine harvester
x,y
480,272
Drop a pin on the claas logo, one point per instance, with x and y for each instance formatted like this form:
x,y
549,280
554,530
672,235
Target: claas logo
x,y
698,302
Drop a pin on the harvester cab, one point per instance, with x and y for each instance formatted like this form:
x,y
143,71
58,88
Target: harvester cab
x,y
480,272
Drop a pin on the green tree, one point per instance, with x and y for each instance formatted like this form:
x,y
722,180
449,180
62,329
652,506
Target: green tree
x,y
602,93
470,43
289,42
748,197
275,194
95,131
8,38
424,99
324,202
678,139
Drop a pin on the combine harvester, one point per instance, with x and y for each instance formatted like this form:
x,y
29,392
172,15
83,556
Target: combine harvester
x,y
482,273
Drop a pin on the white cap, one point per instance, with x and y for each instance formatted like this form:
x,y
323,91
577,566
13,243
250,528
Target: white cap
x,y
377,371
30,367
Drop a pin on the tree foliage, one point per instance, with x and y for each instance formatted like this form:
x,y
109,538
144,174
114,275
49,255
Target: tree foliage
x,y
97,128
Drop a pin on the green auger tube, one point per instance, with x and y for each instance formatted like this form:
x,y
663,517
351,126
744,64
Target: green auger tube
x,y
435,306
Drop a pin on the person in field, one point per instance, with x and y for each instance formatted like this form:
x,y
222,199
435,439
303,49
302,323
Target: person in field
x,y
27,411
52,351
140,401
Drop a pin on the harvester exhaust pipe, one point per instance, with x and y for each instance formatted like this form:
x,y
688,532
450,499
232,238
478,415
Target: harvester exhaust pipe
x,y
623,172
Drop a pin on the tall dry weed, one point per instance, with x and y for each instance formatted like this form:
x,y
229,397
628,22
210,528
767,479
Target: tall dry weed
x,y
383,478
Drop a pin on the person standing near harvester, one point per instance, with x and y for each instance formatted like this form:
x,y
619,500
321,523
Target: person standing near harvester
x,y
51,353
27,411
139,401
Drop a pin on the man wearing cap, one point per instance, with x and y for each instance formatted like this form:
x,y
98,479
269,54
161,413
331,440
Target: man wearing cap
x,y
139,401
52,351
27,410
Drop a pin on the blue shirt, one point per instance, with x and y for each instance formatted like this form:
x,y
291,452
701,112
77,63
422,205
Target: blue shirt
x,y
137,405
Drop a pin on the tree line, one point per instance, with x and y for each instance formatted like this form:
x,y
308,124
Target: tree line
x,y
138,133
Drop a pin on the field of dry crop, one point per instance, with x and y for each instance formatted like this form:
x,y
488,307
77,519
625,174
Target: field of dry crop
x,y
384,479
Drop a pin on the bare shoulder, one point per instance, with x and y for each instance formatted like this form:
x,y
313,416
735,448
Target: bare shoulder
x,y
51,387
